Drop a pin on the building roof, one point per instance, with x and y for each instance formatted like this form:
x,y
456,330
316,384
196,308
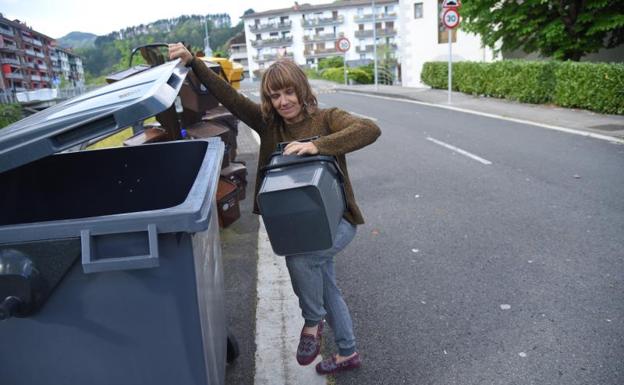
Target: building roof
x,y
304,8
22,26
239,38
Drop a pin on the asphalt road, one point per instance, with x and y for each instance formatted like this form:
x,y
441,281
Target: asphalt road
x,y
472,273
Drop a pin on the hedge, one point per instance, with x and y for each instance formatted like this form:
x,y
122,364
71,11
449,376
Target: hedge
x,y
593,86
358,75
9,113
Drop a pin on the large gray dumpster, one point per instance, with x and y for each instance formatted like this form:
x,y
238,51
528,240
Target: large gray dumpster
x,y
301,200
110,261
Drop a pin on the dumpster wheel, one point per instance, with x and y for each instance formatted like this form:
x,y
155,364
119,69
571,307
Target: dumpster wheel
x,y
232,348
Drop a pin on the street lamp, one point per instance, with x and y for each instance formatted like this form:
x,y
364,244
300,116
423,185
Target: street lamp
x,y
375,45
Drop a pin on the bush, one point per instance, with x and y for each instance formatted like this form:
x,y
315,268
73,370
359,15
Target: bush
x,y
9,113
331,62
594,86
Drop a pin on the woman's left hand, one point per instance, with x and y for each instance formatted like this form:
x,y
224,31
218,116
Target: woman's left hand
x,y
300,148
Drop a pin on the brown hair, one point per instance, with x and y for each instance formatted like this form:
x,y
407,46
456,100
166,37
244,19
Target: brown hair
x,y
285,73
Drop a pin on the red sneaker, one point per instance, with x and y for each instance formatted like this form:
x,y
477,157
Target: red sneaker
x,y
329,365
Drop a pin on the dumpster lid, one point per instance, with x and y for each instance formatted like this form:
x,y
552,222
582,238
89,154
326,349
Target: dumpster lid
x,y
93,114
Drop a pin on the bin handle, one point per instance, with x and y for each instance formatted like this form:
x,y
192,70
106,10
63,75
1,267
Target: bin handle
x,y
92,264
306,159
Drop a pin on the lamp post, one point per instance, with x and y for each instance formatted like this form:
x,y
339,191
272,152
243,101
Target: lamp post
x,y
375,46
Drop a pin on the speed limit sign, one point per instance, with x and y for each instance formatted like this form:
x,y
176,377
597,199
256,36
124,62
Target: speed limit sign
x,y
343,44
451,18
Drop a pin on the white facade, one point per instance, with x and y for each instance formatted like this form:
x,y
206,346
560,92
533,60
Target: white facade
x,y
421,41
408,32
309,33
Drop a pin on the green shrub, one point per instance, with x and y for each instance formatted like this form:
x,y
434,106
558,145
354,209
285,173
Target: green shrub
x,y
594,86
360,75
331,62
333,74
9,113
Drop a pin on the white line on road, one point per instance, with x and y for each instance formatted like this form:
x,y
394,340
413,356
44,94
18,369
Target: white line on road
x,y
363,116
548,126
278,324
459,150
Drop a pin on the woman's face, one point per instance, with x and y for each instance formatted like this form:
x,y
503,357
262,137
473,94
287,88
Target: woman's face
x,y
286,104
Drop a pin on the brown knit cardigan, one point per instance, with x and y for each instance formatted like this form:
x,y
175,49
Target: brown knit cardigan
x,y
339,131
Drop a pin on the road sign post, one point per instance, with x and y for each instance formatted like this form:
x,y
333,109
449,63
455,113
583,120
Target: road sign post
x,y
343,44
450,19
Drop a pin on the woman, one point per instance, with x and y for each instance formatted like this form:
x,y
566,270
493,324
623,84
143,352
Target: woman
x,y
289,112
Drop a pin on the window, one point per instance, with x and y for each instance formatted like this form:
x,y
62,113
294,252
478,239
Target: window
x,y
418,10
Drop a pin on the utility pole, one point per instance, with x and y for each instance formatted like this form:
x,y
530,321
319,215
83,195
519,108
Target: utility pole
x,y
375,46
207,49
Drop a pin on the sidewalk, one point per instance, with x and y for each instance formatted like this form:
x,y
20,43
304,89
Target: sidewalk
x,y
589,122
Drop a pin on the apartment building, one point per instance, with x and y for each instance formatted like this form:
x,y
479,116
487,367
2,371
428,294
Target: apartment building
x,y
237,50
31,60
308,33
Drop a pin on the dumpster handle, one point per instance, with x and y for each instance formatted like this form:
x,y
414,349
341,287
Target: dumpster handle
x,y
92,264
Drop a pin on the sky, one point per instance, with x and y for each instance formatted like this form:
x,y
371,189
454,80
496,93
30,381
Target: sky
x,y
57,18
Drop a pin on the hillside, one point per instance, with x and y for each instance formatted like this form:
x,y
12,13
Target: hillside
x,y
110,53
77,40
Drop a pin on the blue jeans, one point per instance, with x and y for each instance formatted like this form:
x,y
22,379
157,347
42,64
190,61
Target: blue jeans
x,y
314,282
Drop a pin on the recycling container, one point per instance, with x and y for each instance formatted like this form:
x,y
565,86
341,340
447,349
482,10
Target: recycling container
x,y
301,200
110,261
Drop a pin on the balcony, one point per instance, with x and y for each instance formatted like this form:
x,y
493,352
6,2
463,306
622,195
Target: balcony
x,y
30,52
271,57
272,42
14,75
41,67
39,54
29,65
10,48
385,32
37,43
35,78
320,53
380,47
379,17
8,60
320,22
7,31
322,37
270,27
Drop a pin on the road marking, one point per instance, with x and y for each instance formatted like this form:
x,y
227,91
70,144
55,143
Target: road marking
x,y
363,116
494,116
460,151
277,323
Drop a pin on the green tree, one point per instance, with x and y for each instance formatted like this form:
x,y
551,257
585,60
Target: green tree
x,y
564,29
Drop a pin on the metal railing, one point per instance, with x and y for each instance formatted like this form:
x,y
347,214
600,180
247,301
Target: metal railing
x,y
380,33
271,42
271,57
7,32
321,52
319,22
322,37
378,17
270,26
8,60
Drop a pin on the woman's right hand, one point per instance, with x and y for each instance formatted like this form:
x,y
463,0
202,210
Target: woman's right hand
x,y
178,50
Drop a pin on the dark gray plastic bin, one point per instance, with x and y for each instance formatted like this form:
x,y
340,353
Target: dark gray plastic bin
x,y
302,201
110,260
